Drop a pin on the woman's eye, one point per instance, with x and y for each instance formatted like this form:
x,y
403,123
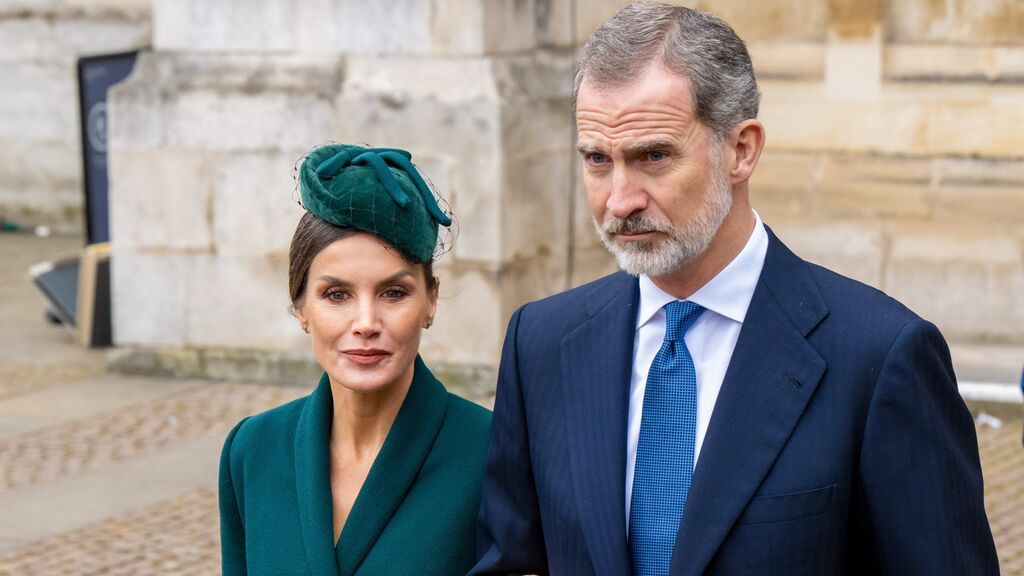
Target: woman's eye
x,y
395,293
336,295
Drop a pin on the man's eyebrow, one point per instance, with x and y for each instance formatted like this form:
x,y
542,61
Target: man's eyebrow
x,y
588,148
646,148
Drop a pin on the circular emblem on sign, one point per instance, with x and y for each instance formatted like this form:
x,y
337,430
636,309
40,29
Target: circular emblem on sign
x,y
96,127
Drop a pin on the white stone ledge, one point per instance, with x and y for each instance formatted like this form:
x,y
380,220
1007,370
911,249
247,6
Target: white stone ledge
x,y
1005,393
923,119
977,251
251,73
224,103
804,60
124,9
392,27
929,62
453,80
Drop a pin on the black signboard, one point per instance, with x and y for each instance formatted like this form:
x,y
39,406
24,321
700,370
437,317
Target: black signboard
x,y
95,75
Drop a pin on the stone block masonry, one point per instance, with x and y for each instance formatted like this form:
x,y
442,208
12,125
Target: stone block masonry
x,y
40,142
893,157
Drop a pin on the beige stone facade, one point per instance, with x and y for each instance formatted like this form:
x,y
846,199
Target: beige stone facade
x,y
40,140
894,155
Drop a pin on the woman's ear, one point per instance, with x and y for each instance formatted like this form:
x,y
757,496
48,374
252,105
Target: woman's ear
x,y
297,311
432,303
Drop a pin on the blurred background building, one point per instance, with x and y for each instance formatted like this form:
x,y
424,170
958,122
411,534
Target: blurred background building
x,y
894,155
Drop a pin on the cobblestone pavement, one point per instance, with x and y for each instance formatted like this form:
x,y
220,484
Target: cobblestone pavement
x,y
21,379
87,445
1002,461
175,537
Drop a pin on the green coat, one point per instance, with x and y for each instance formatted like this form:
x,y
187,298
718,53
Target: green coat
x,y
415,514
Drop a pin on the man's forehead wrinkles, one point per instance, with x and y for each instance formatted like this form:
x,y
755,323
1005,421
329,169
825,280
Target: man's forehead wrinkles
x,y
652,130
666,114
635,125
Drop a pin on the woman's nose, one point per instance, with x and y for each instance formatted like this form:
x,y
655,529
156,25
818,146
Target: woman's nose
x,y
367,321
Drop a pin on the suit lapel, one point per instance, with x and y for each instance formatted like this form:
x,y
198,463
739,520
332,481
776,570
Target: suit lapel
x,y
313,481
596,360
394,471
771,376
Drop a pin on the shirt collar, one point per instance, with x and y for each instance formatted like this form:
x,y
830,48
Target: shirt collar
x,y
728,293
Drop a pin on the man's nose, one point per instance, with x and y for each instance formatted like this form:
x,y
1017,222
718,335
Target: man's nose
x,y
627,197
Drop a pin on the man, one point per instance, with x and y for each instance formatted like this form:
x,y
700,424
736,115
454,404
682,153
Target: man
x,y
721,407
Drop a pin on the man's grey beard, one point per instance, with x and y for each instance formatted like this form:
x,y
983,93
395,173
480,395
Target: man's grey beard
x,y
683,245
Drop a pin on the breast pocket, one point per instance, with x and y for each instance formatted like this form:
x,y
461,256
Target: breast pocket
x,y
792,506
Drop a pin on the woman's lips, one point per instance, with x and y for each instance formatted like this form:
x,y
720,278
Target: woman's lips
x,y
365,356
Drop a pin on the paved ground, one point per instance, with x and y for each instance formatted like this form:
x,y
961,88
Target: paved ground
x,y
109,474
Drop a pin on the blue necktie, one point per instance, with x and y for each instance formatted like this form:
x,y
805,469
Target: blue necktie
x,y
664,455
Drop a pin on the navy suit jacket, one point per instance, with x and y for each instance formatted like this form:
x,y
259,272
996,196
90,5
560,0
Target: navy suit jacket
x,y
838,444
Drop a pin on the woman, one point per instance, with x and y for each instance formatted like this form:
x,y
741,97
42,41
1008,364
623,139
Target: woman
x,y
379,470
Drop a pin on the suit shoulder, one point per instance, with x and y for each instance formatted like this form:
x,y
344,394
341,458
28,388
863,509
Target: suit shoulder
x,y
856,302
575,300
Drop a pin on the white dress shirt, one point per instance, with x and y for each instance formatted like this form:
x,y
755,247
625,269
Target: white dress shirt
x,y
711,340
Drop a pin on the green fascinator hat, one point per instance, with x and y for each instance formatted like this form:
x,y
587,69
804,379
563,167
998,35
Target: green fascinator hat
x,y
376,190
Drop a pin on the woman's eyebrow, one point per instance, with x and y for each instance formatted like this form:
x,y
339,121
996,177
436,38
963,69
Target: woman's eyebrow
x,y
334,280
396,277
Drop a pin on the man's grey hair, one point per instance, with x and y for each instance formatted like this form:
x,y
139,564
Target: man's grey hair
x,y
689,42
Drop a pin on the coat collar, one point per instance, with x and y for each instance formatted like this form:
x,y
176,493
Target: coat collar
x,y
394,471
771,377
313,479
596,362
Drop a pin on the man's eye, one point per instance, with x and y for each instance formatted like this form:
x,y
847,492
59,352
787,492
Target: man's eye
x,y
597,158
656,156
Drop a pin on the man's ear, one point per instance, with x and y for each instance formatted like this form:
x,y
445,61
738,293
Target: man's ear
x,y
746,141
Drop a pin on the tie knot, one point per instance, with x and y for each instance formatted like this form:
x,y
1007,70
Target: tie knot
x,y
680,315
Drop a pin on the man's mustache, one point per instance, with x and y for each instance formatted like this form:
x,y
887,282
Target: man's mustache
x,y
636,225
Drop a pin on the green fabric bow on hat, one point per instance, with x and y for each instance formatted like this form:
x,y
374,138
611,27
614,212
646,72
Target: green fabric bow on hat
x,y
376,190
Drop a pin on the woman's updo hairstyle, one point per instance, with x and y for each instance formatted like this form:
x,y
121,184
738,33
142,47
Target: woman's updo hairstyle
x,y
347,189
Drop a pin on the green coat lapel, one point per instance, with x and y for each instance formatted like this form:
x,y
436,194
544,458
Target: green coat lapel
x,y
313,479
393,472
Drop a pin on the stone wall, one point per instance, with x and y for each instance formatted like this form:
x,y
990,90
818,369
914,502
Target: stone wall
x,y
234,94
40,139
893,156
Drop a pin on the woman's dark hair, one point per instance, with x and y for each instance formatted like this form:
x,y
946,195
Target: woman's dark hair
x,y
313,235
